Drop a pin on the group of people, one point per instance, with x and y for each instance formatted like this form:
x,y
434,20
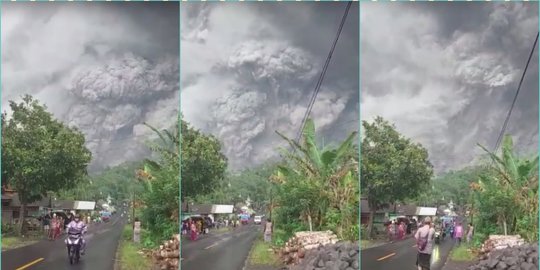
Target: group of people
x,y
397,230
54,225
226,223
425,239
455,230
194,228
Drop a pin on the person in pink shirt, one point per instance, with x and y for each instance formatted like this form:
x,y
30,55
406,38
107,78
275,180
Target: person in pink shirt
x,y
401,229
459,232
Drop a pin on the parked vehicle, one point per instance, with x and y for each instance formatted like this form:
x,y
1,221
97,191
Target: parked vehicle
x,y
105,216
257,220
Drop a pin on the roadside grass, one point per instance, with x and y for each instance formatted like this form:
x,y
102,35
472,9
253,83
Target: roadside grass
x,y
462,253
130,258
365,244
263,255
11,242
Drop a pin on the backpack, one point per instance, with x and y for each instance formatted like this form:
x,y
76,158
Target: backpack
x,y
421,242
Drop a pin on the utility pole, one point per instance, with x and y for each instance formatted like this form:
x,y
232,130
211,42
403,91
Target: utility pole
x,y
472,209
132,211
271,203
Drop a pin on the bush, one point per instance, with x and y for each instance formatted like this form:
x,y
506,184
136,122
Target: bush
x,y
353,233
8,229
363,234
462,253
127,233
279,237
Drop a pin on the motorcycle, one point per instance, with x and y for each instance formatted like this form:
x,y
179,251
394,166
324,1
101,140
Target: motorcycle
x,y
437,237
74,243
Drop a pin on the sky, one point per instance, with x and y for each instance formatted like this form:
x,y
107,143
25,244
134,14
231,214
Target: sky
x,y
249,69
105,68
446,73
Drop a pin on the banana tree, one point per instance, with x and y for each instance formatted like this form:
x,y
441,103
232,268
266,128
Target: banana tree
x,y
331,170
520,177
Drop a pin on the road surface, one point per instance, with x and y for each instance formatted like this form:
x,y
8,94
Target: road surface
x,y
223,251
402,255
102,241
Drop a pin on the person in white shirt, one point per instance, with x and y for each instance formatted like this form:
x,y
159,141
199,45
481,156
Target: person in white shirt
x,y
268,231
424,243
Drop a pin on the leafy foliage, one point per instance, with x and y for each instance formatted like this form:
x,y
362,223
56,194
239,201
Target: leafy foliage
x,y
160,179
501,194
240,186
117,182
507,196
393,168
451,186
318,187
39,153
203,164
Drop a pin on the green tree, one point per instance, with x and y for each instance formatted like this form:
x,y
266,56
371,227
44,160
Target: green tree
x,y
328,171
39,153
451,186
119,182
203,164
393,168
160,178
514,182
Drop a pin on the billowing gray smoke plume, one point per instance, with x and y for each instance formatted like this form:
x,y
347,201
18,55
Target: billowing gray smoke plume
x,y
113,101
248,71
102,67
446,75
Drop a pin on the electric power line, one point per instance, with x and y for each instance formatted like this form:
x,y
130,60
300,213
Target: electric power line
x,y
323,73
499,139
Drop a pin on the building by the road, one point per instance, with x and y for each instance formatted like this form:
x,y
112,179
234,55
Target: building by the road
x,y
207,210
393,211
386,213
11,206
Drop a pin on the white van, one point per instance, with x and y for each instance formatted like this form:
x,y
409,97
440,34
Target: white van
x,y
257,220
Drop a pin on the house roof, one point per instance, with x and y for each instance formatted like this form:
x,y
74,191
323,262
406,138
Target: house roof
x,y
64,204
364,207
406,209
15,202
197,208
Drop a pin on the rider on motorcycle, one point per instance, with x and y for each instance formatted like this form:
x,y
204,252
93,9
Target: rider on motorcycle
x,y
78,226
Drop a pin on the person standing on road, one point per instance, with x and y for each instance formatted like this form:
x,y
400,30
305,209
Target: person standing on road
x,y
401,230
392,230
67,221
46,225
137,230
388,231
54,225
459,233
268,231
193,231
470,233
424,242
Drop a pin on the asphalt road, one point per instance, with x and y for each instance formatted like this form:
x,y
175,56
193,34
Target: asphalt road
x,y
223,251
402,255
102,242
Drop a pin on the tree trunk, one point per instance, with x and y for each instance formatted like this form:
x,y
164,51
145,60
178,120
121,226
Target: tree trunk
x,y
309,222
370,223
22,214
504,227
